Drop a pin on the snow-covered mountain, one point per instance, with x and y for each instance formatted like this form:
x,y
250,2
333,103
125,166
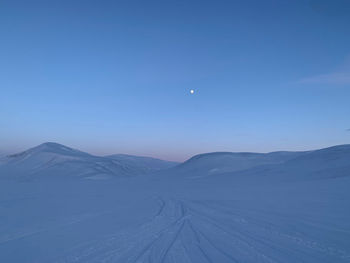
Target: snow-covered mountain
x,y
325,163
224,162
56,159
328,162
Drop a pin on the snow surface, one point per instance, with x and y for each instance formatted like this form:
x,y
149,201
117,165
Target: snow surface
x,y
144,164
277,207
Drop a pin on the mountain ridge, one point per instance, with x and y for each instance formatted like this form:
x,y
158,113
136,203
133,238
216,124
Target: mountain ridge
x,y
232,162
54,158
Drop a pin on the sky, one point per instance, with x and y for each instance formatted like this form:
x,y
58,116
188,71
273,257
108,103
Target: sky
x,y
115,76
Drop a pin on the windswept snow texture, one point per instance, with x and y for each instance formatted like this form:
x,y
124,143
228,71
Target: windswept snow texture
x,y
143,164
277,208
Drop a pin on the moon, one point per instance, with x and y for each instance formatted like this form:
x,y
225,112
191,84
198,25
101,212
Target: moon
x,y
191,91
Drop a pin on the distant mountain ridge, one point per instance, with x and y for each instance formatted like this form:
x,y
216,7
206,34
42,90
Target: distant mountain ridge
x,y
327,162
53,148
56,159
223,162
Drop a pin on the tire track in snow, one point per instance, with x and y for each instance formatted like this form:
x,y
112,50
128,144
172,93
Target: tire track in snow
x,y
200,231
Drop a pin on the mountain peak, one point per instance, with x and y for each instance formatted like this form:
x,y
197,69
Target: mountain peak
x,y
50,147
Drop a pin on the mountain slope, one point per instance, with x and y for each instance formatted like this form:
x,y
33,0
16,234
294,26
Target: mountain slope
x,y
56,159
223,162
143,164
328,162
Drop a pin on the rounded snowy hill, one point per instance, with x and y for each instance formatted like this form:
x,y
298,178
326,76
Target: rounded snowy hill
x,y
328,162
56,159
223,162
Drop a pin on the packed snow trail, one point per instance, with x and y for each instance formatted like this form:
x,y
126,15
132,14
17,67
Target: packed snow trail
x,y
212,231
166,221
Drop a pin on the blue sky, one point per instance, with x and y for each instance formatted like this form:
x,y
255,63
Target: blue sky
x,y
115,76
